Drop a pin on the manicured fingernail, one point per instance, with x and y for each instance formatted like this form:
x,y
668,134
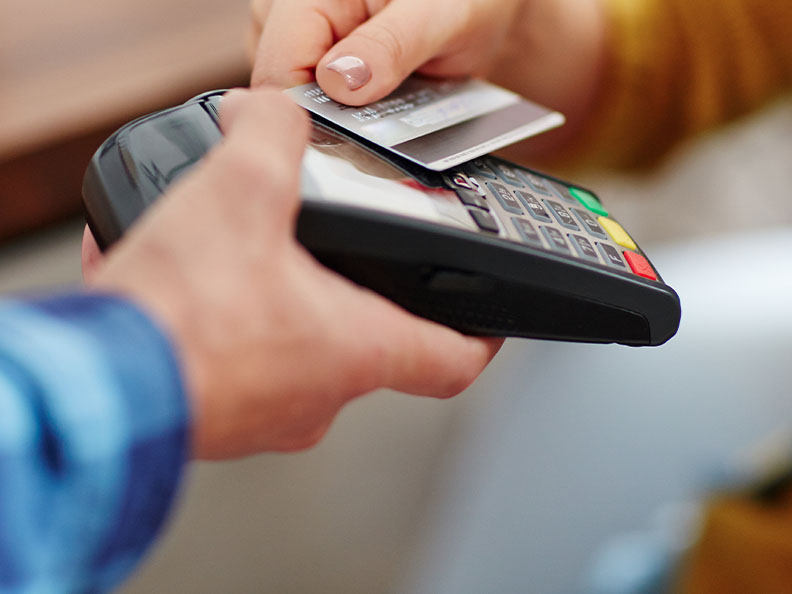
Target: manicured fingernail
x,y
355,71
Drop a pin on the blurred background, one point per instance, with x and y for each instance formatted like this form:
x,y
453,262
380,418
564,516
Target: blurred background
x,y
528,482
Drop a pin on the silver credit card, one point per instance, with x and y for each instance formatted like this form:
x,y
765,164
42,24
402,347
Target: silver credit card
x,y
437,123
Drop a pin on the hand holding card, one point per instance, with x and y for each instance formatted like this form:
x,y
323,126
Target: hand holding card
x,y
436,123
361,50
553,52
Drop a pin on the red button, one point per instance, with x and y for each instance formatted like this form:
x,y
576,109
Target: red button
x,y
640,265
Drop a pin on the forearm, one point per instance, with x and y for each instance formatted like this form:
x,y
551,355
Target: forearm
x,y
92,439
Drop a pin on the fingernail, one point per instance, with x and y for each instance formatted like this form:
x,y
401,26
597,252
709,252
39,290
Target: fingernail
x,y
355,71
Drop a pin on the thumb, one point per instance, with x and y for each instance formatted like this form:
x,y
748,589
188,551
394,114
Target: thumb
x,y
91,256
377,56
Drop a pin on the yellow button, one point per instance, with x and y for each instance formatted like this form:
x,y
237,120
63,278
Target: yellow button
x,y
618,233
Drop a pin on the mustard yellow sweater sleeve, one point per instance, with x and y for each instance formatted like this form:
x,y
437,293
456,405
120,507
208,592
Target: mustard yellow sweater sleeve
x,y
677,67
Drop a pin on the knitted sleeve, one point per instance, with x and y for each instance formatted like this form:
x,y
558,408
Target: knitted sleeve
x,y
677,67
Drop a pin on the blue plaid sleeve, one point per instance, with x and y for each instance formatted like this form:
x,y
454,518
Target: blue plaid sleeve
x,y
93,439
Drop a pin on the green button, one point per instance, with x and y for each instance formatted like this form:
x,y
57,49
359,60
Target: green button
x,y
589,200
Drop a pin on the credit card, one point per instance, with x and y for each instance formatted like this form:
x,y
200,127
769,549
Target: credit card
x,y
436,123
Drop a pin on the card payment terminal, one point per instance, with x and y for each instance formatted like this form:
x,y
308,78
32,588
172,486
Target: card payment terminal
x,y
489,248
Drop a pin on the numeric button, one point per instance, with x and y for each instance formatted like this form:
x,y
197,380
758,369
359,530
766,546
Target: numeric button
x,y
562,214
556,239
563,191
536,183
526,230
505,197
584,248
589,222
534,206
508,175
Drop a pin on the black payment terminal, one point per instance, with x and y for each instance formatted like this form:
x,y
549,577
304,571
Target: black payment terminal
x,y
489,248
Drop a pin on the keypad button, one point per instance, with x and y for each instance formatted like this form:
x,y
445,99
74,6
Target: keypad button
x,y
470,198
536,183
562,215
476,186
505,197
589,200
508,174
556,239
564,192
534,206
584,248
481,167
611,255
640,265
589,222
526,230
484,220
617,233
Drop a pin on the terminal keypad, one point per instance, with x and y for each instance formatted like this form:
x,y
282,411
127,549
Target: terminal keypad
x,y
547,214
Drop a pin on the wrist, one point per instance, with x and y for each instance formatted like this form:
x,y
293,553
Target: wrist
x,y
556,54
162,302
